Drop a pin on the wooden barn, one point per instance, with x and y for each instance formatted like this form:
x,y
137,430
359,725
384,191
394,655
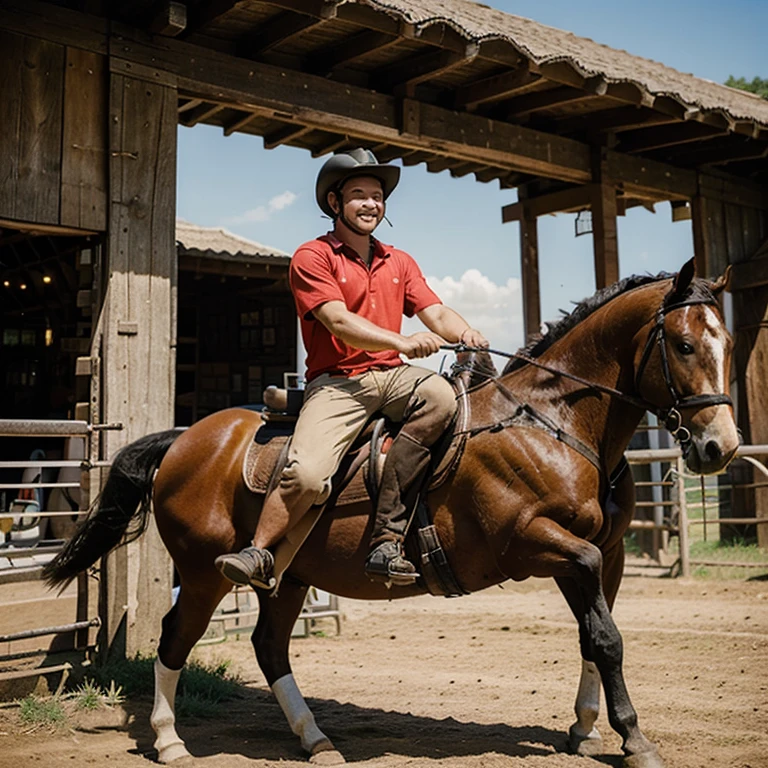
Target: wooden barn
x,y
93,92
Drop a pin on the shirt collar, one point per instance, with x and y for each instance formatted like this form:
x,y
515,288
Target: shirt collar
x,y
380,249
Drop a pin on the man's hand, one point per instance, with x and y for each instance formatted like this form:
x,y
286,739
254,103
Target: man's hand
x,y
473,338
420,344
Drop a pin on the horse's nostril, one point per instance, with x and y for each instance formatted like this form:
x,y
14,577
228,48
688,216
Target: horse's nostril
x,y
712,449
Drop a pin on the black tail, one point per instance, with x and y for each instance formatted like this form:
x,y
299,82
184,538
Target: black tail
x,y
120,512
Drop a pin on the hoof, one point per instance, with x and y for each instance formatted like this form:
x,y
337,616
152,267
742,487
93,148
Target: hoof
x,y
586,746
327,757
172,752
649,759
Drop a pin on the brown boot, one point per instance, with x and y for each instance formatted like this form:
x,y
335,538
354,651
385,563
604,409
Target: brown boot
x,y
404,469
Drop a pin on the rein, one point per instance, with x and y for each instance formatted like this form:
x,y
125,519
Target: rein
x,y
669,416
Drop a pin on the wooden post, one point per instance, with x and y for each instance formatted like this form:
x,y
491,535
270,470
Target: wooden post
x,y
685,555
138,358
702,244
605,235
529,270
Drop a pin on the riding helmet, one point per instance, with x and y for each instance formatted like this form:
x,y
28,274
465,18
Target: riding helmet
x,y
345,165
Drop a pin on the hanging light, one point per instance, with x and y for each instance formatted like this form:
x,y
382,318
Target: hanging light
x,y
7,283
46,279
583,223
23,286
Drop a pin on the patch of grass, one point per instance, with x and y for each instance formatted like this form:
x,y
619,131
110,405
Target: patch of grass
x,y
88,696
202,687
37,711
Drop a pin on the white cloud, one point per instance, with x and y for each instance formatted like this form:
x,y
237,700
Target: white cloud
x,y
495,310
264,212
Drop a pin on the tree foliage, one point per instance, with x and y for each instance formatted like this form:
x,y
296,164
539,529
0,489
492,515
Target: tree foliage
x,y
758,85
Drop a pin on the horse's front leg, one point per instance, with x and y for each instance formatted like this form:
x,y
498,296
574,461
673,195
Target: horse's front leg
x,y
577,566
271,639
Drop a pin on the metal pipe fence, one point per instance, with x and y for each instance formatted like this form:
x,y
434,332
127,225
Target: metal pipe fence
x,y
678,505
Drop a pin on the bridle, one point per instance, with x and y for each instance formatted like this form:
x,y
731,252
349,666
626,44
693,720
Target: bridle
x,y
669,416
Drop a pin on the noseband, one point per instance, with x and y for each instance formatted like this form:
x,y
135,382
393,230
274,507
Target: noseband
x,y
671,416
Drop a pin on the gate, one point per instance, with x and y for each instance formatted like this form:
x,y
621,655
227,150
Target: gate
x,y
42,633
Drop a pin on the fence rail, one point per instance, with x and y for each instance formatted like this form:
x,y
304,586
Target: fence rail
x,y
673,457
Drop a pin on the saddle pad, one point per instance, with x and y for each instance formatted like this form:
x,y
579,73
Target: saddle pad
x,y
266,456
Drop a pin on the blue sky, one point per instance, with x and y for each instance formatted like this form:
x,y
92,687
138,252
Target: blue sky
x,y
453,226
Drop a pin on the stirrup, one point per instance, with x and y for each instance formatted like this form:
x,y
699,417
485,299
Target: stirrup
x,y
250,566
387,563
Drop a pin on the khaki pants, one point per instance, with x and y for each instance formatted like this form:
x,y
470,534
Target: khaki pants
x,y
336,409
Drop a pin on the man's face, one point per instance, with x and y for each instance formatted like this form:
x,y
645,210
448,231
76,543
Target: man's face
x,y
363,201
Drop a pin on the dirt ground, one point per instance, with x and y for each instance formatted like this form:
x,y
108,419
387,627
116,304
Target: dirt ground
x,y
479,682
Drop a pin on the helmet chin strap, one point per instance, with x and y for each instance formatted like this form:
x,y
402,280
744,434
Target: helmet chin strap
x,y
347,223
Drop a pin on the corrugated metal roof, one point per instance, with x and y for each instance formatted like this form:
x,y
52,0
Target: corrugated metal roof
x,y
216,242
543,44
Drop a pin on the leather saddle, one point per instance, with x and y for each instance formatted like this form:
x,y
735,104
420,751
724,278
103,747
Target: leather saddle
x,y
358,477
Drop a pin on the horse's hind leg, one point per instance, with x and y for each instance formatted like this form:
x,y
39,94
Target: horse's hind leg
x,y
183,626
271,639
583,737
601,644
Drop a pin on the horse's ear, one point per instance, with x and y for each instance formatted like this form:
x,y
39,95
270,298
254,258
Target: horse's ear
x,y
723,283
684,277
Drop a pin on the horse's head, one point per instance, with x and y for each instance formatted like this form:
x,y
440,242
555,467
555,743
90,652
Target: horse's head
x,y
683,369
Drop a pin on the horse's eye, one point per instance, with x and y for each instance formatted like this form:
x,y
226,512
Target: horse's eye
x,y
684,348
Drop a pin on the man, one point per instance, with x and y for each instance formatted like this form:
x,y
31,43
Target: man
x,y
351,292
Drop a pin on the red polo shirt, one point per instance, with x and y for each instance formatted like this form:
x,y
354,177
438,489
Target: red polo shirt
x,y
325,270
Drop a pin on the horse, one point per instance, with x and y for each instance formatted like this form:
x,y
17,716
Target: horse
x,y
541,490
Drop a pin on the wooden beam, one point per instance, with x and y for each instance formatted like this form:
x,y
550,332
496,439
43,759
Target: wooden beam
x,y
275,31
529,271
648,139
553,202
205,13
186,104
439,164
332,146
200,114
494,88
730,150
605,241
616,119
487,174
352,48
284,135
239,122
464,169
422,67
416,158
372,117
554,97
169,19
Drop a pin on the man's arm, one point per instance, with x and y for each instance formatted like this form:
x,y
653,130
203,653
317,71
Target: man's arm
x,y
363,334
451,326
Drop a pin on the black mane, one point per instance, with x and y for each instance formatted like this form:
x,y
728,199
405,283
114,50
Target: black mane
x,y
698,289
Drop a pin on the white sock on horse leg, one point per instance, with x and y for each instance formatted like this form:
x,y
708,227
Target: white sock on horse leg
x,y
168,744
587,701
298,714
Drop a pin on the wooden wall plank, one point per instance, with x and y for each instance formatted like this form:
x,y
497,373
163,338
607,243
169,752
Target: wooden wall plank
x,y
11,62
84,144
139,359
54,23
42,93
734,234
717,239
